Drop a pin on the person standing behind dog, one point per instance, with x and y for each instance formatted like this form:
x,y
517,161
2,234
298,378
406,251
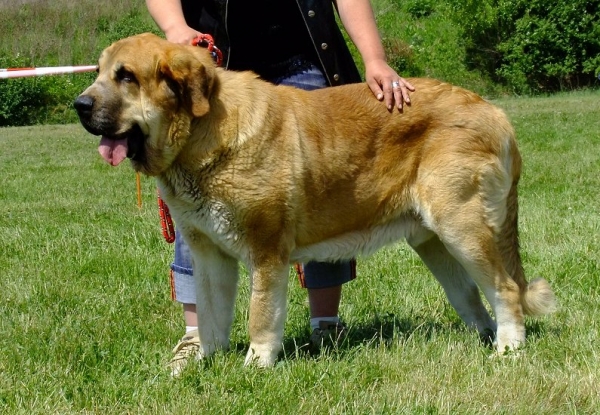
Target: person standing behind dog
x,y
288,42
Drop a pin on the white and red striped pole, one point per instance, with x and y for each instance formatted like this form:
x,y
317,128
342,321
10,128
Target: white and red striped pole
x,y
52,70
59,70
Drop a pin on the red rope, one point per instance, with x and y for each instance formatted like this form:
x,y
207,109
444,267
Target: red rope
x,y
166,222
208,42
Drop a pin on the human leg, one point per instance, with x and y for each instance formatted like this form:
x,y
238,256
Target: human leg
x,y
183,291
323,282
182,281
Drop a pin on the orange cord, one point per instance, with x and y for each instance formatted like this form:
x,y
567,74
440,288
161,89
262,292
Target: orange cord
x,y
166,222
138,186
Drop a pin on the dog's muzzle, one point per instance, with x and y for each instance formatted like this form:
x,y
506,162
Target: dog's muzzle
x,y
100,122
91,118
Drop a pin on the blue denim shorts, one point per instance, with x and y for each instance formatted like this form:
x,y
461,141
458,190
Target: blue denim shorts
x,y
312,274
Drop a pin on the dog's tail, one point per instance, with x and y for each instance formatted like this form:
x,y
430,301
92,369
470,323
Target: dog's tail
x,y
537,297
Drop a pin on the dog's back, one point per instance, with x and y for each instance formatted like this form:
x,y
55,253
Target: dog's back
x,y
359,165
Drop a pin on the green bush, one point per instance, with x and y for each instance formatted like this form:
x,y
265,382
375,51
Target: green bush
x,y
420,8
489,46
532,45
553,47
37,100
20,98
135,22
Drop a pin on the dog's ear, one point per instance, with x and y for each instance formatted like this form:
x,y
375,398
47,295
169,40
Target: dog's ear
x,y
191,79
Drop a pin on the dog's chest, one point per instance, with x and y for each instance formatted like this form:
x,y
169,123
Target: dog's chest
x,y
216,220
209,215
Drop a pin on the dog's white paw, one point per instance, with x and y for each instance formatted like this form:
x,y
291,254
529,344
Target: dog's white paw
x,y
512,348
261,356
508,354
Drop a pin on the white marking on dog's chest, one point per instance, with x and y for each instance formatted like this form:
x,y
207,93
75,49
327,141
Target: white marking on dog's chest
x,y
212,217
216,220
219,221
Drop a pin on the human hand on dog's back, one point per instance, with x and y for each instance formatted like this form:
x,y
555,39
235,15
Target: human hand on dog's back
x,y
380,76
359,21
168,15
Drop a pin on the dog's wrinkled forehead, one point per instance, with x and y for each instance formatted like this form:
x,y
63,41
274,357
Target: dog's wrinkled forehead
x,y
137,53
143,53
156,67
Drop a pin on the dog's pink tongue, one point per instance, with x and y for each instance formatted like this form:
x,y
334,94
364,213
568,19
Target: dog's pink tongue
x,y
113,151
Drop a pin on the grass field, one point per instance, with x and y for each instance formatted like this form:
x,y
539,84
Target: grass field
x,y
87,325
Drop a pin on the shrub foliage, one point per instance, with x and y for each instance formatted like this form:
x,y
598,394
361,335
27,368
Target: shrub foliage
x,y
533,45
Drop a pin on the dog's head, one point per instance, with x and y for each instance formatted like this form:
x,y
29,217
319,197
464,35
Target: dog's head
x,y
144,99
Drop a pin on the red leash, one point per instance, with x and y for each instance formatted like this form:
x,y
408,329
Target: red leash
x,y
208,42
166,222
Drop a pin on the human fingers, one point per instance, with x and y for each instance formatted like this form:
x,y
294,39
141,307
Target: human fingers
x,y
375,88
182,35
400,90
382,89
391,86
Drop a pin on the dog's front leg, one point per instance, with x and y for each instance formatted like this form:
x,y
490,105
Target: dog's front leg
x,y
267,312
216,275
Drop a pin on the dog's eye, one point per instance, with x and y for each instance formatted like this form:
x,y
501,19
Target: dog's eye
x,y
125,76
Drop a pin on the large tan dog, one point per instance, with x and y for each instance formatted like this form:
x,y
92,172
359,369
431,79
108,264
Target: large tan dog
x,y
270,175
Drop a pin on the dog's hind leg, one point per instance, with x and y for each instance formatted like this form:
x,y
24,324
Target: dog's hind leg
x,y
461,290
216,275
489,251
478,253
267,312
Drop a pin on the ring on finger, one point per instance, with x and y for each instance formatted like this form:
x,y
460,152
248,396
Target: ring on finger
x,y
395,84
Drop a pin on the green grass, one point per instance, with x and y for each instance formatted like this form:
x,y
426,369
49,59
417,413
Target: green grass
x,y
87,325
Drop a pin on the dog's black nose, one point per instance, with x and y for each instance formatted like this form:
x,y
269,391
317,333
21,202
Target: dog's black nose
x,y
83,104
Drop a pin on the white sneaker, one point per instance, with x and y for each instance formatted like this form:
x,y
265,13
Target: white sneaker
x,y
186,349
